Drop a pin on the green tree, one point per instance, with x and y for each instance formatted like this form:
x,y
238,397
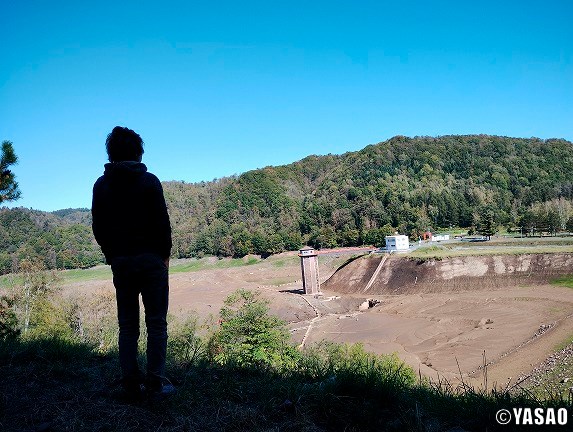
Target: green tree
x,y
569,225
8,319
553,221
249,337
8,186
37,283
350,237
529,222
487,226
323,238
377,236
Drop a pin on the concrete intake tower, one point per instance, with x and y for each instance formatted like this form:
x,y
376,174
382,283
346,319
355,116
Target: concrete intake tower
x,y
309,268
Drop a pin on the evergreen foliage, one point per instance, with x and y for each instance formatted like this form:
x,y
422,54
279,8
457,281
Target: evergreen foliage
x,y
8,186
487,226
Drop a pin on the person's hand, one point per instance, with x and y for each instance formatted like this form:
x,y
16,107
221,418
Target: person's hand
x,y
166,261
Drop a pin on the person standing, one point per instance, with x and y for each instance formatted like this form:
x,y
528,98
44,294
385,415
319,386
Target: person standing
x,y
131,224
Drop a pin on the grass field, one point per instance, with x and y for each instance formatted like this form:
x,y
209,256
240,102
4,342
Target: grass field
x,y
191,265
79,275
566,281
64,276
103,272
496,246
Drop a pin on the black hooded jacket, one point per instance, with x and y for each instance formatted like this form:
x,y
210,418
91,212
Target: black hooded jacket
x,y
129,215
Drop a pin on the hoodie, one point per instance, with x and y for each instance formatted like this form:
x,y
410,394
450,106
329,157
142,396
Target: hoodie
x,y
129,215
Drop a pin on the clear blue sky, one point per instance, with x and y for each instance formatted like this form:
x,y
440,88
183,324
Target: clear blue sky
x,y
218,88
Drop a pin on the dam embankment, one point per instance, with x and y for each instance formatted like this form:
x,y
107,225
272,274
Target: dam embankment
x,y
401,274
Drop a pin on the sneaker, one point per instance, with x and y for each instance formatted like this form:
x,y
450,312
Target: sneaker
x,y
133,388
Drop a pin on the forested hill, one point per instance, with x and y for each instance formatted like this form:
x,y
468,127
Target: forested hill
x,y
61,239
404,184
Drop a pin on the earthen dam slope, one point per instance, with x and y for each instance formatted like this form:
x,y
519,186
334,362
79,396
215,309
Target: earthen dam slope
x,y
395,274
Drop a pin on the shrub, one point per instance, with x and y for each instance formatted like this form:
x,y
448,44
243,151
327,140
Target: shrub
x,y
185,347
353,370
249,337
8,319
36,284
48,320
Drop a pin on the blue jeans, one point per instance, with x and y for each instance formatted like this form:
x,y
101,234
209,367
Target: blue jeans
x,y
144,274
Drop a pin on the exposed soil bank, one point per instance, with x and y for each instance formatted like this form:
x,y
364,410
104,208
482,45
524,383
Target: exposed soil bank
x,y
405,275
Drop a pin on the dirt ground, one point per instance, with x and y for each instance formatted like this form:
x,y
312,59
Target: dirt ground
x,y
445,333
437,333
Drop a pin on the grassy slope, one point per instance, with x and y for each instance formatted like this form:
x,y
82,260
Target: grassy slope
x,y
52,385
566,281
514,246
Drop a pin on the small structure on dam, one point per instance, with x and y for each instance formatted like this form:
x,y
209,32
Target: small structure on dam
x,y
309,268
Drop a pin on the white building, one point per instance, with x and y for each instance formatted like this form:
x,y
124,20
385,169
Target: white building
x,y
397,243
442,237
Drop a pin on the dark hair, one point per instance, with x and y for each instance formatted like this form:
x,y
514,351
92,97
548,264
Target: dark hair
x,y
123,144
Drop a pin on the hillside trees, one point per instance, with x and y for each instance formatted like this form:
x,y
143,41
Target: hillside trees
x,y
9,327
405,184
409,185
569,226
551,217
47,238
